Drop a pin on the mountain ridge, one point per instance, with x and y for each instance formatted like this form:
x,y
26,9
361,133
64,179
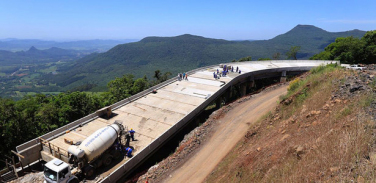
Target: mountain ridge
x,y
186,52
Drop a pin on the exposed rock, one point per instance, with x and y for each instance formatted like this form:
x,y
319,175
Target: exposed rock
x,y
373,158
285,137
360,179
334,169
299,150
355,88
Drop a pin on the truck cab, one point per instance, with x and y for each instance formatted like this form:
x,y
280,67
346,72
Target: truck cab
x,y
57,171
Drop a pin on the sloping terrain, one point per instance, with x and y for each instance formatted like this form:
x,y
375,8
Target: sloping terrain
x,y
11,44
36,56
203,148
321,131
187,52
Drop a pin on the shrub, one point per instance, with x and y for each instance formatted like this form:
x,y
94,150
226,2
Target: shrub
x,y
294,85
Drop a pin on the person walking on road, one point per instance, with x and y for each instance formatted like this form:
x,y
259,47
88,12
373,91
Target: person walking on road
x,y
132,133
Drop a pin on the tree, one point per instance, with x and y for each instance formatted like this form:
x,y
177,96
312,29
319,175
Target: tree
x,y
348,50
139,85
370,46
249,58
157,75
276,56
292,52
121,88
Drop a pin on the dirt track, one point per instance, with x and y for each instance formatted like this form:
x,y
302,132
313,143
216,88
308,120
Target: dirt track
x,y
230,130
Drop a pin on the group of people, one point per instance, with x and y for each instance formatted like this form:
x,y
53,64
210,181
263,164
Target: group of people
x,y
127,151
182,76
224,72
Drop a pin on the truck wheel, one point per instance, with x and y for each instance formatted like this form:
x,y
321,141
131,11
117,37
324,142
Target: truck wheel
x,y
116,155
74,180
107,160
89,171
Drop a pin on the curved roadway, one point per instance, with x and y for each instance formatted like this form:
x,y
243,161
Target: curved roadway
x,y
156,117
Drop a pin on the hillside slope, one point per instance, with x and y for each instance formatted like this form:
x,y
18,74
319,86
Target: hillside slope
x,y
11,44
36,56
321,131
186,52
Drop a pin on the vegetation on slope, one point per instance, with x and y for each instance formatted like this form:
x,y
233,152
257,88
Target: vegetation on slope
x,y
351,49
187,52
320,132
35,56
33,116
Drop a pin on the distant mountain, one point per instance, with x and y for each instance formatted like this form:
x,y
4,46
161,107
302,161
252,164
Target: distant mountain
x,y
186,52
36,56
12,44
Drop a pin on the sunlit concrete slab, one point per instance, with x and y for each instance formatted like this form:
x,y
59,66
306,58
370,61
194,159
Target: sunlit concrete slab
x,y
60,142
182,98
153,113
190,91
199,86
209,75
91,127
142,125
205,81
166,105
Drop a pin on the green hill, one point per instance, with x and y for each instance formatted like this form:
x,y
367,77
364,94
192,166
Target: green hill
x,y
186,52
36,56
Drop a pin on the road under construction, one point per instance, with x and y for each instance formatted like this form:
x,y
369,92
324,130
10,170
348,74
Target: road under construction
x,y
161,111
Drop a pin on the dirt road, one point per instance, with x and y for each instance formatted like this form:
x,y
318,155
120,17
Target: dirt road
x,y
230,130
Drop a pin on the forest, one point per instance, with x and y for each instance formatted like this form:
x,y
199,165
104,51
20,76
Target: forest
x,y
351,50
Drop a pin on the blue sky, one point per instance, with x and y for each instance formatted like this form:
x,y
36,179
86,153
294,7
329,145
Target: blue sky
x,y
231,20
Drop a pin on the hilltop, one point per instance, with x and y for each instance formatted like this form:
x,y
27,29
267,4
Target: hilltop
x,y
12,44
38,56
187,52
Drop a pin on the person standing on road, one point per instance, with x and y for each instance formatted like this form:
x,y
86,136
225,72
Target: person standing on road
x,y
132,133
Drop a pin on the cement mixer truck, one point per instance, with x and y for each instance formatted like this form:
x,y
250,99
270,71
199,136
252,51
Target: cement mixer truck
x,y
99,149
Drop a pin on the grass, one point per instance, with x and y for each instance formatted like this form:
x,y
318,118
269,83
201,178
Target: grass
x,y
49,69
337,143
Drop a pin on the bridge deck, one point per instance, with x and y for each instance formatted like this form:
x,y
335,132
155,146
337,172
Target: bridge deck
x,y
154,114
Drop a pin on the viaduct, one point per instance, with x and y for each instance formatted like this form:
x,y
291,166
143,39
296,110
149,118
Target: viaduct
x,y
156,117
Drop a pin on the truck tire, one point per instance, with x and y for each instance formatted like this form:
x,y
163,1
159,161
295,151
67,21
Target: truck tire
x,y
107,160
116,154
74,180
89,171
